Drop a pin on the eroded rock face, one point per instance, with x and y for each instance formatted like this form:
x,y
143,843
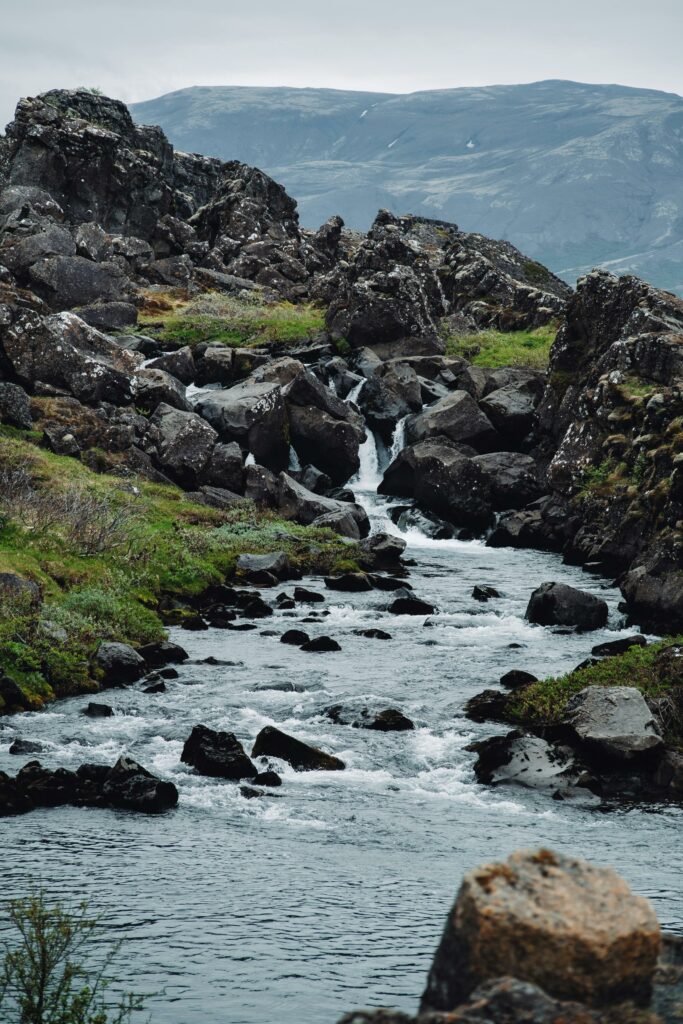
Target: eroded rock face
x,y
573,929
456,417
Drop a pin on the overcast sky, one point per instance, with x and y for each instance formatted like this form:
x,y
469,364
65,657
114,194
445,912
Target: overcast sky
x,y
138,49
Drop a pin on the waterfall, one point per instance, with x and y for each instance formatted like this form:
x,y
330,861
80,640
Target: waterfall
x,y
294,463
354,393
368,476
398,441
250,460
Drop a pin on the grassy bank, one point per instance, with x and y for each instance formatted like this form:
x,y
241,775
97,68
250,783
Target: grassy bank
x,y
654,670
104,551
237,322
496,348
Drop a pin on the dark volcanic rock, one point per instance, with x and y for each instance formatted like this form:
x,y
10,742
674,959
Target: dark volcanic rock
x,y
219,754
349,582
391,720
21,746
612,648
270,742
457,417
186,443
131,787
320,644
164,653
295,637
409,605
94,710
556,604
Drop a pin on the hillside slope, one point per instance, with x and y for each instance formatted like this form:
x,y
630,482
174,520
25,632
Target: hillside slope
x,y
576,175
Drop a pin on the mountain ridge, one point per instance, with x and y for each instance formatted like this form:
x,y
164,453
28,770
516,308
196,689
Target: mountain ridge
x,y
573,173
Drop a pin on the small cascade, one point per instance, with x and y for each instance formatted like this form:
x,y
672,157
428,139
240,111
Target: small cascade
x,y
398,441
354,393
294,463
250,460
369,476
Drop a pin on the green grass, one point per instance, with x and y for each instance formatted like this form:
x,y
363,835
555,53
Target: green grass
x,y
239,323
167,547
543,703
493,349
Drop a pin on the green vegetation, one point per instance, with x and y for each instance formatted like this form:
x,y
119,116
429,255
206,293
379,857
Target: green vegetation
x,y
498,348
56,971
237,322
108,553
543,703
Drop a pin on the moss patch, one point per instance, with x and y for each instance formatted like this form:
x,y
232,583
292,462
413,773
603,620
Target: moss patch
x,y
497,348
165,546
237,322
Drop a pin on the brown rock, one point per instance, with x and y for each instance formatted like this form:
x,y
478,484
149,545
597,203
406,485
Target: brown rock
x,y
573,929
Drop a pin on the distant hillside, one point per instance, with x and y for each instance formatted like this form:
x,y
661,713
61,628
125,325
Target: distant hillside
x,y
576,175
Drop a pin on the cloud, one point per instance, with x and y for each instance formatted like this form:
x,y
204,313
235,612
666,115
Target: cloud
x,y
137,49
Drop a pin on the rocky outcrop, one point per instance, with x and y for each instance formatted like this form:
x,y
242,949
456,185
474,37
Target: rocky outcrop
x,y
271,742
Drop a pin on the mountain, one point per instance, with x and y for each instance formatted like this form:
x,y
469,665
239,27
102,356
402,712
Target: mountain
x,y
576,175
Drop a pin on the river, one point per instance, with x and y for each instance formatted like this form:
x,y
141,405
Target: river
x,y
330,893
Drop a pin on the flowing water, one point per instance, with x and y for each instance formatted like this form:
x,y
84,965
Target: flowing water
x,y
331,892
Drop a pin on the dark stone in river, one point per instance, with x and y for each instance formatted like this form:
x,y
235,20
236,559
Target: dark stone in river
x,y
391,720
374,634
94,710
164,653
131,787
516,678
21,746
268,778
155,688
613,647
218,754
556,604
256,609
349,582
483,593
306,596
271,742
117,664
296,637
409,605
487,706
194,624
321,644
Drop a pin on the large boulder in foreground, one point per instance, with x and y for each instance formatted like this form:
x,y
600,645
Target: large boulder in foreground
x,y
613,721
270,742
218,754
556,604
574,929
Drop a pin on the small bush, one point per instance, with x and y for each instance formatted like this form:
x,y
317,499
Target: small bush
x,y
55,971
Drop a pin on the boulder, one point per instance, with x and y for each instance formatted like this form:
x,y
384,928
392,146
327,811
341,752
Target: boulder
x,y
251,568
180,364
218,754
330,444
391,720
556,604
253,415
612,648
295,637
131,787
320,645
306,596
341,522
270,742
108,316
457,417
68,281
18,589
513,477
117,664
484,593
406,604
157,655
296,502
22,746
385,549
349,582
613,721
156,387
226,468
186,443
15,406
65,352
511,410
516,679
517,759
442,481
574,929
94,710
487,706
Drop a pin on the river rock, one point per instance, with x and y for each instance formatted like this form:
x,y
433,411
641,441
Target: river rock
x,y
556,604
296,502
407,604
22,746
391,720
614,721
484,593
165,652
251,568
516,679
320,644
511,410
457,417
218,754
295,637
349,582
487,706
130,786
270,742
443,481
530,761
95,710
306,596
574,929
612,648
118,664
330,444
384,548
